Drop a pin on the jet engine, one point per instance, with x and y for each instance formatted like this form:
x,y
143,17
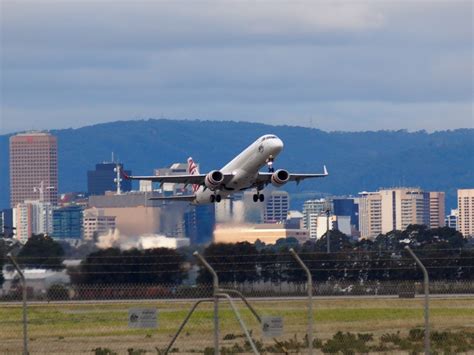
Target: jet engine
x,y
214,179
280,177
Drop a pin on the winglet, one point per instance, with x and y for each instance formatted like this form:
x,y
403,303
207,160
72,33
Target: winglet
x,y
325,171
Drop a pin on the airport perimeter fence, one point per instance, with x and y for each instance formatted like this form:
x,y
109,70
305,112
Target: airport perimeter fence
x,y
274,316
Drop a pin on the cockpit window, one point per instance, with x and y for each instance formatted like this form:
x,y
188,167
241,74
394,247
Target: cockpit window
x,y
268,137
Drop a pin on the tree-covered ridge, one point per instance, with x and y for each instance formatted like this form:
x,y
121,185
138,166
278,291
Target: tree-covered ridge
x,y
356,161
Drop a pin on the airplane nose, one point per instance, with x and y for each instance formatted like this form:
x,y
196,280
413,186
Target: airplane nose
x,y
277,145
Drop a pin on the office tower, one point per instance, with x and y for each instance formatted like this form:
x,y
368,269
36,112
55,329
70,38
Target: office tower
x,y
437,212
277,206
451,220
370,214
68,222
6,229
231,210
466,212
312,209
347,206
103,179
199,223
396,209
96,223
32,217
33,168
404,206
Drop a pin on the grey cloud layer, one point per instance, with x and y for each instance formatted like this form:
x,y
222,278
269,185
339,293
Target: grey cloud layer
x,y
257,61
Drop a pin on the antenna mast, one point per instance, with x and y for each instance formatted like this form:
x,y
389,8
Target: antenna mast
x,y
118,178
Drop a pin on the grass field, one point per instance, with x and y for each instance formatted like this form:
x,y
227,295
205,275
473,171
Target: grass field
x,y
81,328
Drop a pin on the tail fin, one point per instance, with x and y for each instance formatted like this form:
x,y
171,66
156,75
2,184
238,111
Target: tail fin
x,y
193,170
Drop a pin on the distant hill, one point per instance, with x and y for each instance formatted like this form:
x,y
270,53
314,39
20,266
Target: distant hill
x,y
356,161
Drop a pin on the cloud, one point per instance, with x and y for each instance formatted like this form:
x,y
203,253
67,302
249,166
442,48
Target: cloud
x,y
257,60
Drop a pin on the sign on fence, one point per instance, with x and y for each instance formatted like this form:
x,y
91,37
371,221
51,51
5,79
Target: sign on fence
x,y
272,326
139,318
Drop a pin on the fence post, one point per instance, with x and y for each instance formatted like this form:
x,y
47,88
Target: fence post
x,y
310,300
25,310
426,284
215,293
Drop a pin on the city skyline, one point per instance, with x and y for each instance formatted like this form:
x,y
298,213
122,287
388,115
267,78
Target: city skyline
x,y
348,66
357,161
128,213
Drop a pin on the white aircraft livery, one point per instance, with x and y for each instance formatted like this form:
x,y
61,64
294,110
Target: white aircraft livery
x,y
241,173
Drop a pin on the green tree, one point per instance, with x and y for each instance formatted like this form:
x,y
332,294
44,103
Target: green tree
x,y
41,251
232,262
115,266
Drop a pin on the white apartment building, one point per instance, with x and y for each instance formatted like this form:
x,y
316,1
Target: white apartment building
x,y
32,217
451,220
466,212
312,210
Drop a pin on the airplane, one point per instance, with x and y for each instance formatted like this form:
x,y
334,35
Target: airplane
x,y
241,173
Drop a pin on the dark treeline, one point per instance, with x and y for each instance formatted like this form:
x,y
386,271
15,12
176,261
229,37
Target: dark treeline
x,y
444,251
115,266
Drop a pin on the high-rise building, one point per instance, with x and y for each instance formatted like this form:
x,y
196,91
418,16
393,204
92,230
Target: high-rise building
x,y
6,228
33,168
277,206
370,214
451,220
347,211
32,217
96,223
437,211
404,206
103,179
396,209
68,222
466,212
312,209
199,223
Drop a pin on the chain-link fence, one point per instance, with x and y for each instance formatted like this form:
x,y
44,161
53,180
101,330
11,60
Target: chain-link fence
x,y
348,317
85,318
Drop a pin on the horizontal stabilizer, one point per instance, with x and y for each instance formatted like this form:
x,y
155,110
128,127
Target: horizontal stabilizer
x,y
175,198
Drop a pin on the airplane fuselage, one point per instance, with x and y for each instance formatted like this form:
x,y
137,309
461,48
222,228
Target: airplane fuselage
x,y
244,167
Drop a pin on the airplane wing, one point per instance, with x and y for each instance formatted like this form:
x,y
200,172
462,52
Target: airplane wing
x,y
264,177
177,179
175,198
197,179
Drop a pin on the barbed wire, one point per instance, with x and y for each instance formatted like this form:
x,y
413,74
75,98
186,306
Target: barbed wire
x,y
300,253
265,270
289,259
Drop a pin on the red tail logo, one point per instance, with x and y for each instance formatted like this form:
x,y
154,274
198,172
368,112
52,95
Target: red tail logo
x,y
193,170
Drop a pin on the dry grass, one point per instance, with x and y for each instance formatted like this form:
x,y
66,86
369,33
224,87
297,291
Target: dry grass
x,y
80,328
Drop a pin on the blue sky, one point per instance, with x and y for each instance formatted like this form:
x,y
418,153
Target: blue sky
x,y
333,65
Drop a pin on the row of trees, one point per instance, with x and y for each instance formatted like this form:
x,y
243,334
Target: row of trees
x,y
444,251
